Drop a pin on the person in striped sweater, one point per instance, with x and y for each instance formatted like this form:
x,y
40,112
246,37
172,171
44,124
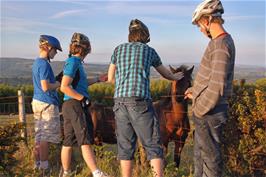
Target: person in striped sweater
x,y
211,89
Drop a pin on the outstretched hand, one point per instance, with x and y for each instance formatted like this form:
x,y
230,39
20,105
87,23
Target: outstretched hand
x,y
103,77
179,76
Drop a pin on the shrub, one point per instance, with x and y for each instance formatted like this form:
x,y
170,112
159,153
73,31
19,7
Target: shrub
x,y
9,145
245,141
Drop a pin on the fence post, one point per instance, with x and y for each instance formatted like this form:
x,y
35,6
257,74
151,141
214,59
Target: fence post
x,y
21,113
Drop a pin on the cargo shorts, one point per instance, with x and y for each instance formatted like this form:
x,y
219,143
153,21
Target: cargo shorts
x,y
47,122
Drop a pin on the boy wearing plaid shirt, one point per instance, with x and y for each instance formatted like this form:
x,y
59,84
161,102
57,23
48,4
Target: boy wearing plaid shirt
x,y
134,114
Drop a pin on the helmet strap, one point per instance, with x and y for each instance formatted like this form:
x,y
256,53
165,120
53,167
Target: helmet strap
x,y
48,54
208,28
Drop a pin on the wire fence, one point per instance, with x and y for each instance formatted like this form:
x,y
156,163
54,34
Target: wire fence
x,y
9,105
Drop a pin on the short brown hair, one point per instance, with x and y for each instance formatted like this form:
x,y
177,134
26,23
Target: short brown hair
x,y
137,36
77,49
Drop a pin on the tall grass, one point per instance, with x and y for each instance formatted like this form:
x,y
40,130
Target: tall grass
x,y
106,160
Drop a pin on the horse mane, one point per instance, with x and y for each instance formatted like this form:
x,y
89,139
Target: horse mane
x,y
184,68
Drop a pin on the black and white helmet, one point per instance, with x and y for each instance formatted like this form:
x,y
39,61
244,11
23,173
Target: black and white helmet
x,y
139,25
208,7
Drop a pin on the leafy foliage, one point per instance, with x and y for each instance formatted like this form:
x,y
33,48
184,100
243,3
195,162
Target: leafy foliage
x,y
100,93
9,145
245,140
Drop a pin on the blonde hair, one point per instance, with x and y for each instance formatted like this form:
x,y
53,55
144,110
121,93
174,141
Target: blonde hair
x,y
218,20
44,46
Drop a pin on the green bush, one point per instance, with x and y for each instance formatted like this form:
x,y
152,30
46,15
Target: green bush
x,y
245,140
261,84
9,145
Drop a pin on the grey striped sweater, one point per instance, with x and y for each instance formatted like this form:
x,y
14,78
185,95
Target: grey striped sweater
x,y
213,82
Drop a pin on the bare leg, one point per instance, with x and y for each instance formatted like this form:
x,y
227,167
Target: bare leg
x,y
157,167
66,157
126,168
37,153
44,150
89,157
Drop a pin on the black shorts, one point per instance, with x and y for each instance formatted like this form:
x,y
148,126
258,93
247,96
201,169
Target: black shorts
x,y
78,126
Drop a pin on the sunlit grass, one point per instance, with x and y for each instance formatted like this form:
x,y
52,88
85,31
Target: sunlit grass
x,y
106,157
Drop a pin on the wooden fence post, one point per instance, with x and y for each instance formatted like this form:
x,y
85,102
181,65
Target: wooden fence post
x,y
21,113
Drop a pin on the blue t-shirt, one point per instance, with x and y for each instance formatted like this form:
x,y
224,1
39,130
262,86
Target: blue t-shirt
x,y
71,66
41,70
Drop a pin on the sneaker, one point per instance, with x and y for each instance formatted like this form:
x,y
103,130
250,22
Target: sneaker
x,y
45,172
65,173
36,167
102,174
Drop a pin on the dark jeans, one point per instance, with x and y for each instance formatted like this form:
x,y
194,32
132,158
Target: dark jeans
x,y
135,118
207,142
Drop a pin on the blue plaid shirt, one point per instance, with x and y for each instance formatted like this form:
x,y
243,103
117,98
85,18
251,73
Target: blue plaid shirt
x,y
133,62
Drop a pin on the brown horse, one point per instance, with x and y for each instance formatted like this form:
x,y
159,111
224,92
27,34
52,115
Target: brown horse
x,y
103,124
172,111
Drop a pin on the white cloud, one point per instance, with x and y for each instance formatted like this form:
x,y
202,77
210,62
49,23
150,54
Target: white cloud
x,y
19,25
68,13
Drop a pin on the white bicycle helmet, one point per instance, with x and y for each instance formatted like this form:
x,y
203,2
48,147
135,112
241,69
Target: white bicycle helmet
x,y
208,7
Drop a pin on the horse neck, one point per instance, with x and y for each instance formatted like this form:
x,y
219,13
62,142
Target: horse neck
x,y
177,106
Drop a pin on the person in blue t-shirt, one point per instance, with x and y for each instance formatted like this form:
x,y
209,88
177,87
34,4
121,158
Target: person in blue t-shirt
x,y
78,127
45,101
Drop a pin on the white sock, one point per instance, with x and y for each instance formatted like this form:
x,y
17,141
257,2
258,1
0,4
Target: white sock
x,y
37,164
97,173
44,165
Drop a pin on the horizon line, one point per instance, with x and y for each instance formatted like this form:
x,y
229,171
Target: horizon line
x,y
107,63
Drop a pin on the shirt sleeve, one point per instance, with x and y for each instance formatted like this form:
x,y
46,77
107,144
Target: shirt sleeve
x,y
156,60
216,85
70,68
44,72
114,57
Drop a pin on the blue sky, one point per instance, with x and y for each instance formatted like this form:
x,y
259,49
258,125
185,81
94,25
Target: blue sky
x,y
106,24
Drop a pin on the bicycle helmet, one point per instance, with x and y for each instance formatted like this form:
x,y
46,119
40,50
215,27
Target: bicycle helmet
x,y
208,7
81,40
52,41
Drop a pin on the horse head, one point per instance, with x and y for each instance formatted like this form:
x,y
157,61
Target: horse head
x,y
179,87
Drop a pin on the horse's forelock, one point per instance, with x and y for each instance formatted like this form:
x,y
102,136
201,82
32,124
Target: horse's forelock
x,y
184,67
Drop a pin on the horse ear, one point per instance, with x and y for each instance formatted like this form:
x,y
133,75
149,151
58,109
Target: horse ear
x,y
172,69
190,70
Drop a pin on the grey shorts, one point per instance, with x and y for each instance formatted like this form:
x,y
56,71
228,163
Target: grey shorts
x,y
47,122
135,118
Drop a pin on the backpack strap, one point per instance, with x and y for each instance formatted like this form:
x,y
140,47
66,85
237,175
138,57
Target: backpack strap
x,y
75,80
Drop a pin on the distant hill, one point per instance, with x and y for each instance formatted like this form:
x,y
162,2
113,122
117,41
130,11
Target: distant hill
x,y
17,71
